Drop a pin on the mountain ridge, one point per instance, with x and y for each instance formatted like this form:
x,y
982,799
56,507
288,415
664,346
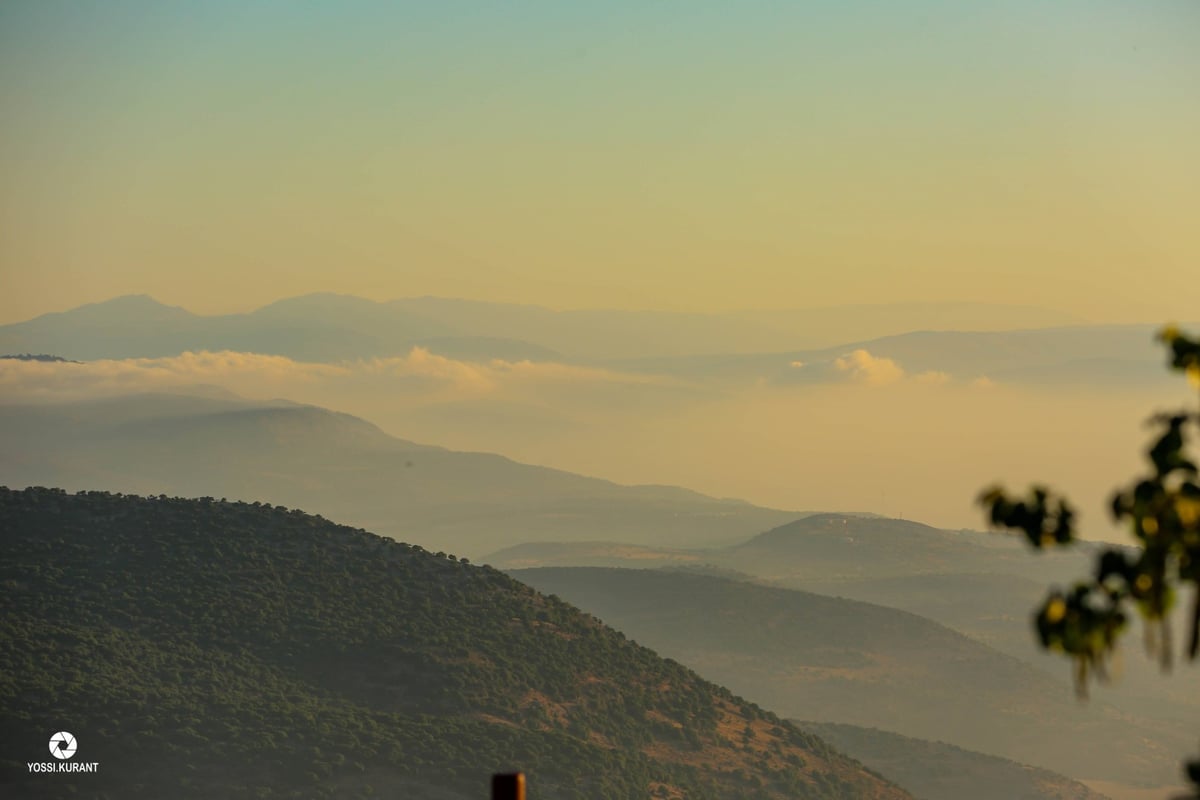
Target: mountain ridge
x,y
345,467
327,326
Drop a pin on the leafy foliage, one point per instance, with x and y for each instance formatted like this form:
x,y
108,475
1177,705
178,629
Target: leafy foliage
x,y
200,648
1162,511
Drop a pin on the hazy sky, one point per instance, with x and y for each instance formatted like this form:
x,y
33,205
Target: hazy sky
x,y
696,155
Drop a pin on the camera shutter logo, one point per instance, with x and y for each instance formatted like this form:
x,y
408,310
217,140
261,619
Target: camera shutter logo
x,y
63,745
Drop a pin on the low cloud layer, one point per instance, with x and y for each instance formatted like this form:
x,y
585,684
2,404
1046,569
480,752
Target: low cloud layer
x,y
861,367
855,433
418,373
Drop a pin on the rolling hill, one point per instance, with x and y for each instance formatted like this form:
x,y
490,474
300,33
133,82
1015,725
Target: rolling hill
x,y
831,659
197,648
834,548
940,771
996,609
984,585
344,467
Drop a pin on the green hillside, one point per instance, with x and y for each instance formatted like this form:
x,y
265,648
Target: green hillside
x,y
198,648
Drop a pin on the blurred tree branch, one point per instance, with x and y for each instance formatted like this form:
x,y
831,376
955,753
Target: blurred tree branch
x,y
1162,511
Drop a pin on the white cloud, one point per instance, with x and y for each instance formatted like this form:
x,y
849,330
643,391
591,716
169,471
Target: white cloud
x,y
866,368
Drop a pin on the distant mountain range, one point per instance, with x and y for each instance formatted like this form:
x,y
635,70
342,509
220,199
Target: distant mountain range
x,y
1081,355
344,467
961,341
825,658
200,649
327,327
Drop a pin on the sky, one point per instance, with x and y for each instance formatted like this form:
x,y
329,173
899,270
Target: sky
x,y
685,156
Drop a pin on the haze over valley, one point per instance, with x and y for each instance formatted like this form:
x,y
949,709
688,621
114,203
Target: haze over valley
x,y
673,401
560,390
131,400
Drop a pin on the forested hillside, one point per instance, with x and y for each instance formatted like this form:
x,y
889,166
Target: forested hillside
x,y
198,648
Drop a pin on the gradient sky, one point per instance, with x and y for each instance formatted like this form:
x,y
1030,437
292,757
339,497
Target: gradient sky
x,y
695,155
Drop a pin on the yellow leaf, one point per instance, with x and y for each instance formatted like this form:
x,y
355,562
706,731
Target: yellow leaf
x,y
1056,609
